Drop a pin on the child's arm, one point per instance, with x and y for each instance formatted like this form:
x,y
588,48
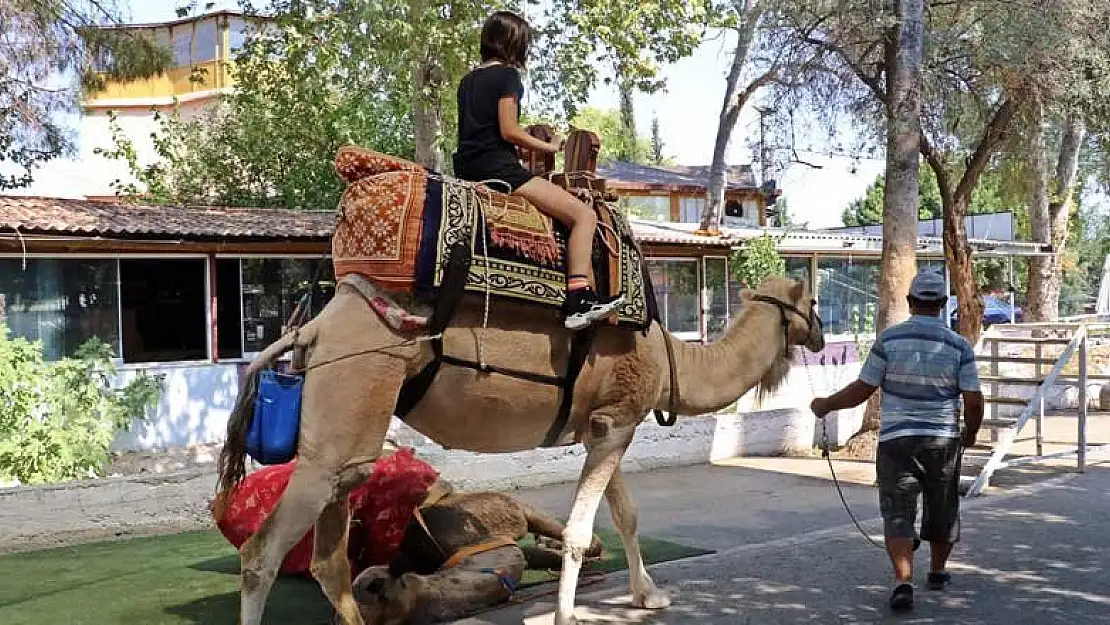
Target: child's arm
x,y
514,134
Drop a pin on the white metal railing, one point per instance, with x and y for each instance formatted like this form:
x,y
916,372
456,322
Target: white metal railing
x,y
1077,346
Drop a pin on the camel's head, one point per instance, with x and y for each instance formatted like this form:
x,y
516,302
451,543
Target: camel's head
x,y
385,600
801,324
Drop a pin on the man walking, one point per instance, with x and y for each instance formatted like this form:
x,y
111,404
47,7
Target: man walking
x,y
923,369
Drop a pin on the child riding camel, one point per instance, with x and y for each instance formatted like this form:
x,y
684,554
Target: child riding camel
x,y
489,129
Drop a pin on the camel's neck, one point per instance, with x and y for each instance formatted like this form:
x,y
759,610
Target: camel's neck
x,y
713,376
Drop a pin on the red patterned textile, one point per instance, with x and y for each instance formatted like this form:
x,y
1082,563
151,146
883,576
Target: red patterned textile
x,y
380,510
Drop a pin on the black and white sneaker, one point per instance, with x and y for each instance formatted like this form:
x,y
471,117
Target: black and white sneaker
x,y
584,307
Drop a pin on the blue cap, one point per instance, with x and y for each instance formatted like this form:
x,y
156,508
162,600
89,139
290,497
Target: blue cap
x,y
928,286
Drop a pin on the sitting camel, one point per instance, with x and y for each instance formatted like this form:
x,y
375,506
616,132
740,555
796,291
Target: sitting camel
x,y
459,555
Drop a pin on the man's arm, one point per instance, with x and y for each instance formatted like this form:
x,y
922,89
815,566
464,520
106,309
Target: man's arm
x,y
848,397
973,416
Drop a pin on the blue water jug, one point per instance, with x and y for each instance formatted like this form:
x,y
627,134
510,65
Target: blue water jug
x,y
276,422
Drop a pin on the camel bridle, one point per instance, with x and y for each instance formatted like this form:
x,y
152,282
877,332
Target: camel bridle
x,y
786,307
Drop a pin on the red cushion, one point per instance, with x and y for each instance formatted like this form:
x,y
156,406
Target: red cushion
x,y
380,510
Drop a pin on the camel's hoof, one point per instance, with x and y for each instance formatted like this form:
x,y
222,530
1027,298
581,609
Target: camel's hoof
x,y
654,600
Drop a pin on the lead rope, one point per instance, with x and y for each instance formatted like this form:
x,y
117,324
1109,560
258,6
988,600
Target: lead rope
x,y
825,453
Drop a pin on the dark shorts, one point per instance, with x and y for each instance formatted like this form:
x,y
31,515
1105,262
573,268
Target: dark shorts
x,y
487,170
920,464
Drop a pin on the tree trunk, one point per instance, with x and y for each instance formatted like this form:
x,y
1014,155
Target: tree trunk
x,y
1039,306
427,112
904,50
1049,219
957,257
627,149
734,101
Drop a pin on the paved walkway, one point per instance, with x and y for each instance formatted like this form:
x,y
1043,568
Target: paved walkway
x,y
1032,555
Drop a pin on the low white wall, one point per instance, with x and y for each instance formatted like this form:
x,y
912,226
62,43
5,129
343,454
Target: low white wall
x,y
194,407
197,401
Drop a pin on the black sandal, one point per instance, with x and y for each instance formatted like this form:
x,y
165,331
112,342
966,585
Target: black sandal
x,y
937,581
902,598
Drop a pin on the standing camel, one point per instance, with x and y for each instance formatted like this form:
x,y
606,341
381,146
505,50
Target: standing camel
x,y
356,365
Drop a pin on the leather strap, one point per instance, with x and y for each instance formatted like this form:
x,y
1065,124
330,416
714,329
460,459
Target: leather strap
x,y
473,550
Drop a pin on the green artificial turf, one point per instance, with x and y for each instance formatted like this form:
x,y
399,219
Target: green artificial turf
x,y
180,579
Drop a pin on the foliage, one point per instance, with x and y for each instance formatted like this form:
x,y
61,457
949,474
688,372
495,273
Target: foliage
x,y
59,418
657,157
49,51
990,196
630,38
301,93
758,260
614,142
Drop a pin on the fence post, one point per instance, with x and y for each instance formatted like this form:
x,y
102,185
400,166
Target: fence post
x,y
1082,451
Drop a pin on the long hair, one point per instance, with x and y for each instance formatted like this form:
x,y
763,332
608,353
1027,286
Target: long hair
x,y
506,37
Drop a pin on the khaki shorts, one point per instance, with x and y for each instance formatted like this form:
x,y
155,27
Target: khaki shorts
x,y
920,464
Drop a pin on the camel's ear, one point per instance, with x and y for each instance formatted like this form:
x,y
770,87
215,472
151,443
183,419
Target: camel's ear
x,y
746,294
797,291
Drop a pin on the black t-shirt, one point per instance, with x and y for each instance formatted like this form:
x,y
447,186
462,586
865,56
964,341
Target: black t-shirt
x,y
479,129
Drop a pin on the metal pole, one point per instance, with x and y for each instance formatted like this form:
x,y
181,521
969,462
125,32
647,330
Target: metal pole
x,y
948,291
1013,318
1082,451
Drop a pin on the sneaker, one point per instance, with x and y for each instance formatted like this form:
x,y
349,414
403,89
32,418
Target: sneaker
x,y
937,581
584,307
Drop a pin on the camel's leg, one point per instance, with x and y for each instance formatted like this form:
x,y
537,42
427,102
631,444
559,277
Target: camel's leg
x,y
343,426
330,565
310,489
605,447
644,592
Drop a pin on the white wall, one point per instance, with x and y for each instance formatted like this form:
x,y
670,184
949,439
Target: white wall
x,y
198,398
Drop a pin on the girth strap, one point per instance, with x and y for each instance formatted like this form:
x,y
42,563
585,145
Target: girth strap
x,y
580,345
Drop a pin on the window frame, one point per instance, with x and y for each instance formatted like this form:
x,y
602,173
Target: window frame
x,y
696,335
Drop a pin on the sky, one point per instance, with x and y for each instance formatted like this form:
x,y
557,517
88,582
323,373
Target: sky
x,y
688,109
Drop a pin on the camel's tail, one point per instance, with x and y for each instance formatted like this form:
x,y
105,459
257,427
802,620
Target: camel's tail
x,y
233,457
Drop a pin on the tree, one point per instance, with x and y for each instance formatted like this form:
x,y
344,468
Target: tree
x,y
614,142
995,193
762,56
50,51
629,38
657,157
986,61
301,93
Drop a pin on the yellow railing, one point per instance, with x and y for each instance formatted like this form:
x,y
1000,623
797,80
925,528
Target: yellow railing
x,y
178,81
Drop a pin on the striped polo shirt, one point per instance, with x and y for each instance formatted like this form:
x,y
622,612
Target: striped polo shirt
x,y
921,367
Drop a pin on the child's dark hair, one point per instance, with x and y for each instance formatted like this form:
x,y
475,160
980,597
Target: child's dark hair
x,y
506,38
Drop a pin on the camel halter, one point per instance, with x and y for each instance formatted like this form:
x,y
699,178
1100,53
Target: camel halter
x,y
785,307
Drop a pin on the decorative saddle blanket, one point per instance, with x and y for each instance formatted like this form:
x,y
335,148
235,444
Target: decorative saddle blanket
x,y
398,222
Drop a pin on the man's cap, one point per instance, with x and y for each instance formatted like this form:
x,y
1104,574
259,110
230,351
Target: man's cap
x,y
928,286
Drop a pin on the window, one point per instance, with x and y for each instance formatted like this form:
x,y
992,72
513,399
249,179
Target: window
x,y
797,268
229,309
271,289
649,207
741,213
718,312
62,303
676,290
690,209
164,310
183,46
204,41
848,294
236,35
